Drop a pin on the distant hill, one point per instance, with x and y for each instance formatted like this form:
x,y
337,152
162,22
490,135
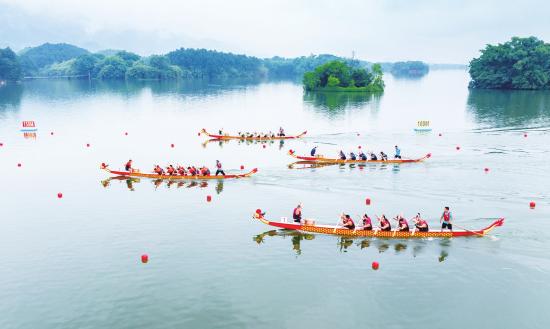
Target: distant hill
x,y
280,67
35,58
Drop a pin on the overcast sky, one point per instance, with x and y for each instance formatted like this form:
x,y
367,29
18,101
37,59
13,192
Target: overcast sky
x,y
436,31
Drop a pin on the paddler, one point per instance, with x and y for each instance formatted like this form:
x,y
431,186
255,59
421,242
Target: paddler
x,y
362,156
397,153
158,170
402,225
367,223
352,156
342,155
384,223
128,165
347,222
383,156
446,220
420,224
297,214
170,170
373,157
313,150
281,132
219,169
181,171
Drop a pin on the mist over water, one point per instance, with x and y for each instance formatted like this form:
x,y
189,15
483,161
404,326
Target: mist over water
x,y
74,262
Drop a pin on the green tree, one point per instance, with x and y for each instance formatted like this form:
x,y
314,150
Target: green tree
x,y
333,81
128,57
10,68
112,67
361,77
521,63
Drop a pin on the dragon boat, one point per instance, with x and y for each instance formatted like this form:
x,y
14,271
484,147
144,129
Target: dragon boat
x,y
309,226
137,173
322,159
250,138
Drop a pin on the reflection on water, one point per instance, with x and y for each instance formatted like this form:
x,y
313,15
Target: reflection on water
x,y
510,108
158,183
345,243
336,103
296,238
54,89
10,96
222,142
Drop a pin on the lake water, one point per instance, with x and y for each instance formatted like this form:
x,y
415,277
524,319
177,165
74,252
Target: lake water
x,y
75,262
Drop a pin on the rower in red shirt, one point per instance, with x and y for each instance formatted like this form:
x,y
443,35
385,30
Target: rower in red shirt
x,y
128,165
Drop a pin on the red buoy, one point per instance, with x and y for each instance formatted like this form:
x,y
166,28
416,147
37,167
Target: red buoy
x,y
208,198
172,145
19,165
126,133
258,211
263,146
144,258
359,146
532,204
59,195
458,148
440,134
242,167
358,134
486,169
367,201
1,144
375,265
524,135
51,133
87,144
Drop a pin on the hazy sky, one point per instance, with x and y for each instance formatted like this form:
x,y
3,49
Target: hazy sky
x,y
437,31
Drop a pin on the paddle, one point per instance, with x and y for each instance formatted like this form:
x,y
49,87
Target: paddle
x,y
335,227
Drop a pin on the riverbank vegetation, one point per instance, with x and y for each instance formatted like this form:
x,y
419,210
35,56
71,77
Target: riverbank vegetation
x,y
69,61
339,76
521,63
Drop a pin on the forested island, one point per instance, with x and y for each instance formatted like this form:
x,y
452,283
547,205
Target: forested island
x,y
521,63
68,61
341,76
410,69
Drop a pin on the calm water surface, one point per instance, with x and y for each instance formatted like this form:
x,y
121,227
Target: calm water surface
x,y
74,262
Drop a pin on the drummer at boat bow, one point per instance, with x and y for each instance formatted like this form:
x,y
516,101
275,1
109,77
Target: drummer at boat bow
x,y
446,220
128,165
219,169
281,132
297,214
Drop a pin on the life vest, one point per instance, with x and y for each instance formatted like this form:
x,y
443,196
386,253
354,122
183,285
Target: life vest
x,y
386,222
403,221
367,222
219,165
297,214
420,224
128,166
446,216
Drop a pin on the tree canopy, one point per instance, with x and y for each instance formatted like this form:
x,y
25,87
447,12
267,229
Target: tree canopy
x,y
409,68
36,58
10,69
521,63
338,75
